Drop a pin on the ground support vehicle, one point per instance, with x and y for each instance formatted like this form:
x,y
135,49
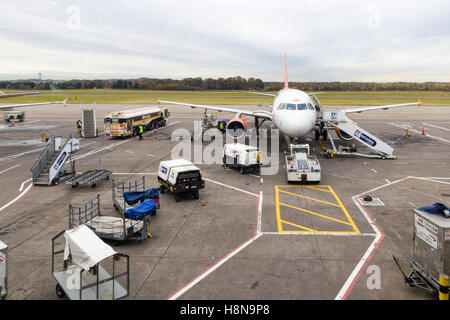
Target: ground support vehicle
x,y
180,177
86,268
127,122
431,248
242,157
301,166
14,115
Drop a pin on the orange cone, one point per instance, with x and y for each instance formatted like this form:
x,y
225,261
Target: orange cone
x,y
423,131
12,123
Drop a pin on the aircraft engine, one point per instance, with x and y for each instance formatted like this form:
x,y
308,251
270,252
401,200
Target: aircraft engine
x,y
343,135
236,128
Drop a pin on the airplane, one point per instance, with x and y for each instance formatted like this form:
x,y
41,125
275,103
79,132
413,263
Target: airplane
x,y
12,95
297,113
14,106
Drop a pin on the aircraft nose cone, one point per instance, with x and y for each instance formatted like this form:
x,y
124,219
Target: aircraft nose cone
x,y
298,125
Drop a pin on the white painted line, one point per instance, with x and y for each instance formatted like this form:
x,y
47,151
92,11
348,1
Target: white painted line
x,y
133,173
254,176
294,233
374,170
129,151
426,134
432,180
211,269
259,220
387,180
434,126
23,184
351,280
230,187
13,156
17,198
151,155
17,165
100,149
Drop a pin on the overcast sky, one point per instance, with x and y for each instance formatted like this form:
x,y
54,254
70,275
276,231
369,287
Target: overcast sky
x,y
324,40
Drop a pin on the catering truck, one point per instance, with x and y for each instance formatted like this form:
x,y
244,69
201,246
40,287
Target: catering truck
x,y
301,166
126,123
180,177
242,157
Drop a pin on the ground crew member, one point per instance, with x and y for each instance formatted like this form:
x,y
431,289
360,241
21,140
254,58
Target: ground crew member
x,y
141,131
221,126
79,126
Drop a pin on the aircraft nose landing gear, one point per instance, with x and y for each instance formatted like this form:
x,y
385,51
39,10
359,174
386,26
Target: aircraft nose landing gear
x,y
321,132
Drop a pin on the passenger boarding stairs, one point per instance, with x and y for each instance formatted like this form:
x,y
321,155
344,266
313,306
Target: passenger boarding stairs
x,y
339,120
47,167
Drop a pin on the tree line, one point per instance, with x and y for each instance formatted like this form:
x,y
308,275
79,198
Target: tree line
x,y
231,83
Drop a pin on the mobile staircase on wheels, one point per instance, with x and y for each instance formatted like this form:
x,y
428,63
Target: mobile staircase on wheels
x,y
47,168
348,130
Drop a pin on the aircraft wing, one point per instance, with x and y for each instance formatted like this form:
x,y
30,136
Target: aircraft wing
x,y
11,95
361,109
13,106
256,113
263,94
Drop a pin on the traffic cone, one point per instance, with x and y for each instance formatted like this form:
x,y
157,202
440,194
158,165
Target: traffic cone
x,y
423,131
12,123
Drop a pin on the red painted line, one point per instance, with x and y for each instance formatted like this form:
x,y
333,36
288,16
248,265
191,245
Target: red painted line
x,y
369,257
230,252
209,268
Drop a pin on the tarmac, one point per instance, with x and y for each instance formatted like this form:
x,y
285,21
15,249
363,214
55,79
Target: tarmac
x,y
248,236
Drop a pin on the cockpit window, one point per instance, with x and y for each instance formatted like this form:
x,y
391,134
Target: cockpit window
x,y
310,107
281,106
290,106
301,106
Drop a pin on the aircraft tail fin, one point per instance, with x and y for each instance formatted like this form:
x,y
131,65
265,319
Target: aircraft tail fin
x,y
285,72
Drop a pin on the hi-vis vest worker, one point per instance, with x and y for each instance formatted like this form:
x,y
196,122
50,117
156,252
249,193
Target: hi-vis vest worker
x,y
141,129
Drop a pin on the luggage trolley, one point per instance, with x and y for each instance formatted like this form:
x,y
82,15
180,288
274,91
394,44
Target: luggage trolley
x,y
127,227
86,268
126,194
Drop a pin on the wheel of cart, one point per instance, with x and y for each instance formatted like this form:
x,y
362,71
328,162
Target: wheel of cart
x,y
86,268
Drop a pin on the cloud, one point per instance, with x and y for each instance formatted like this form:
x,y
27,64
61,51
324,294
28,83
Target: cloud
x,y
325,40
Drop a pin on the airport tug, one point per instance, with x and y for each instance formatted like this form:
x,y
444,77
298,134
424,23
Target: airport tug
x,y
301,166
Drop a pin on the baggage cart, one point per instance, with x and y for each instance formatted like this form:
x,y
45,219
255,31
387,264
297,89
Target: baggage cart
x,y
86,268
108,227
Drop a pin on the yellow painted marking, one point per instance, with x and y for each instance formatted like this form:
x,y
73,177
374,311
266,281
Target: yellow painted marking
x,y
316,214
298,226
345,210
317,188
308,230
277,203
309,198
